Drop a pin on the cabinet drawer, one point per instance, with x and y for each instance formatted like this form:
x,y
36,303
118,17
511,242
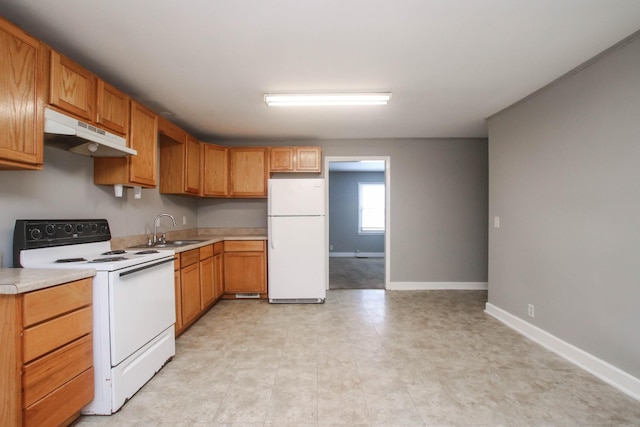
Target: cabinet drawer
x,y
244,245
48,336
206,252
47,303
176,263
53,370
189,257
63,403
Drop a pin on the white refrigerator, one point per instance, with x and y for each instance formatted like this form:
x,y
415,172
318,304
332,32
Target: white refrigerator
x,y
297,250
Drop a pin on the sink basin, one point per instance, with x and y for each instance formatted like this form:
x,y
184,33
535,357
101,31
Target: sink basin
x,y
183,242
170,244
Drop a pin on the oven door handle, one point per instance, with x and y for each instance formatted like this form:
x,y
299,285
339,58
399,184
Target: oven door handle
x,y
145,267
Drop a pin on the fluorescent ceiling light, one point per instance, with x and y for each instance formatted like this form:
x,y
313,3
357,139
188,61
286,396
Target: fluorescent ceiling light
x,y
325,99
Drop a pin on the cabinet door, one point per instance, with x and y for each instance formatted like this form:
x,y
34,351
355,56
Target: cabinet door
x,y
178,285
245,272
282,159
308,159
143,138
218,274
73,88
112,108
22,89
190,281
207,290
214,170
192,166
249,171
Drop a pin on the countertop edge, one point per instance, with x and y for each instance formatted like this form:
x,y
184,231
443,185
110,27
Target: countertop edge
x,y
15,281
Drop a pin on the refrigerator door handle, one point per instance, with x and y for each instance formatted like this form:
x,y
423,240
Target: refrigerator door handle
x,y
270,234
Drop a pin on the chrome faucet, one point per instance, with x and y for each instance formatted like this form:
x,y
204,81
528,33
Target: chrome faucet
x,y
155,226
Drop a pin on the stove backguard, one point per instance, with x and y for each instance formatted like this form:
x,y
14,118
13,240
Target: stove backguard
x,y
42,233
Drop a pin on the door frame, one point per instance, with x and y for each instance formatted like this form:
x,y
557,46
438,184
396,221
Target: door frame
x,y
387,208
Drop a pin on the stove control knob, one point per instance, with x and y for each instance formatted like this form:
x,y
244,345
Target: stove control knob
x,y
36,233
50,229
79,228
68,228
104,229
94,227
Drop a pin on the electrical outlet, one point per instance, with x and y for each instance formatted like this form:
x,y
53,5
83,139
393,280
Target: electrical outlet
x,y
530,311
184,220
0,259
496,222
330,247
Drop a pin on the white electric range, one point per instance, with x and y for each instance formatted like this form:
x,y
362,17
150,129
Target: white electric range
x,y
133,301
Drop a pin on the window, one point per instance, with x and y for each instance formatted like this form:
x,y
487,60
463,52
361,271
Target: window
x,y
371,208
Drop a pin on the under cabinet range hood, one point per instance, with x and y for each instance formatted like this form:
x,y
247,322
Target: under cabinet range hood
x,y
66,133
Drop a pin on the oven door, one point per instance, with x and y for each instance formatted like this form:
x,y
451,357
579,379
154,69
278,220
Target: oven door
x,y
142,305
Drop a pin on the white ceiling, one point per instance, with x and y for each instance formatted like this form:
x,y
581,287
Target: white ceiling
x,y
449,63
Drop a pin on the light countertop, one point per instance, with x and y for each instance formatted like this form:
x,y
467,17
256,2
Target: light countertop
x,y
207,240
21,280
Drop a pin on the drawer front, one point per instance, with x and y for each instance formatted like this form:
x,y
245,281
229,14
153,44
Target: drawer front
x,y
63,403
189,257
55,333
176,263
206,252
51,302
244,245
218,247
55,369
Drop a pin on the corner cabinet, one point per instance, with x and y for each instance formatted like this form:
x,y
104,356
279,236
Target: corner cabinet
x,y
23,89
140,170
46,364
180,162
296,159
248,171
245,267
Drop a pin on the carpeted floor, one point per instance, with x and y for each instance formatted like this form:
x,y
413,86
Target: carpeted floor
x,y
356,273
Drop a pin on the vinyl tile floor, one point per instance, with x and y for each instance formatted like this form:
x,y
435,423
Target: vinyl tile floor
x,y
367,358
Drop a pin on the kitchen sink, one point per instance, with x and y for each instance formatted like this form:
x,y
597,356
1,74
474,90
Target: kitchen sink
x,y
170,244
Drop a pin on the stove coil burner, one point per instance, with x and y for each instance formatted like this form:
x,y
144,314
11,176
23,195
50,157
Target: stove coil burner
x,y
70,260
116,252
109,259
150,251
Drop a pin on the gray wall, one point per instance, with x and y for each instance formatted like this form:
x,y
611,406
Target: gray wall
x,y
438,196
565,181
343,213
65,189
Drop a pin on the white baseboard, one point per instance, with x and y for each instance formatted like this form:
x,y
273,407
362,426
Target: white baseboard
x,y
356,254
426,286
608,373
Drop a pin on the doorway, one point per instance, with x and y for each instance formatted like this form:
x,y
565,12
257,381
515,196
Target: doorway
x,y
358,222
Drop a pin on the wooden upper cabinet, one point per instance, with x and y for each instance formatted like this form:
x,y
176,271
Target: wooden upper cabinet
x,y
112,108
23,71
140,170
73,88
192,166
282,159
308,159
296,159
180,161
143,137
215,170
249,171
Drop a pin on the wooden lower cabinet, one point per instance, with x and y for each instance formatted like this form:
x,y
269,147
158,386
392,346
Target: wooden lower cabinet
x,y
46,364
207,288
190,282
245,267
218,269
